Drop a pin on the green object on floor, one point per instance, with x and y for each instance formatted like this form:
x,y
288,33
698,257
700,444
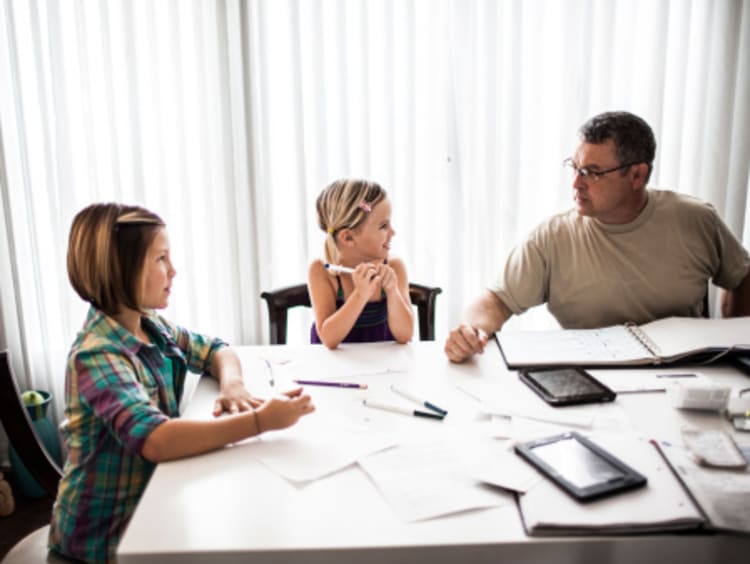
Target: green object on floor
x,y
37,402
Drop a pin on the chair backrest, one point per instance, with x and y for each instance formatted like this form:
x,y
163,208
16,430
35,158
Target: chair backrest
x,y
20,431
279,301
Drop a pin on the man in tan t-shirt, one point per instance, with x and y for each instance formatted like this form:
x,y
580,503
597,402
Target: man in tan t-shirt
x,y
623,254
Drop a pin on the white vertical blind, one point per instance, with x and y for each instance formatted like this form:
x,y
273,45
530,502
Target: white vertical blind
x,y
228,117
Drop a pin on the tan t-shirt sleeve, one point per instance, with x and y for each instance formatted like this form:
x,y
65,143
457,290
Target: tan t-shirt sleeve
x,y
524,282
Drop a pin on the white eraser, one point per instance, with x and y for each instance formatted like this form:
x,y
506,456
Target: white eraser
x,y
699,396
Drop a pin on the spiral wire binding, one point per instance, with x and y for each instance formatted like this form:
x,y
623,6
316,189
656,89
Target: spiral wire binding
x,y
643,338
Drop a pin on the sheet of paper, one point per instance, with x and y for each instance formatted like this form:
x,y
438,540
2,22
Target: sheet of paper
x,y
516,401
344,363
645,380
677,335
504,468
524,429
572,346
425,480
317,446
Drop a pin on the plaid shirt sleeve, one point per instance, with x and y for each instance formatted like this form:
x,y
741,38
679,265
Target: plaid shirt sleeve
x,y
199,350
127,407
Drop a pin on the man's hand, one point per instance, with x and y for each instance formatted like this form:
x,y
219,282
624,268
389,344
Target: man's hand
x,y
465,341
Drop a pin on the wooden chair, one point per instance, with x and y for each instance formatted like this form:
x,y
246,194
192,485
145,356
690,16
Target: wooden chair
x,y
20,431
281,300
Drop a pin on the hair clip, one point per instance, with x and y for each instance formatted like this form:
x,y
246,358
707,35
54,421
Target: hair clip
x,y
364,206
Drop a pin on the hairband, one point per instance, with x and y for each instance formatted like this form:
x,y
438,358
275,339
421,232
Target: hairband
x,y
364,206
330,230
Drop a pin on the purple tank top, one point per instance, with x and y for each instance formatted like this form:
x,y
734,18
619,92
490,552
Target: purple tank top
x,y
371,325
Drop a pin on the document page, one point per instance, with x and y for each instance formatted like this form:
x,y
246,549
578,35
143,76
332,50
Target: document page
x,y
347,362
678,336
424,480
608,345
658,380
317,446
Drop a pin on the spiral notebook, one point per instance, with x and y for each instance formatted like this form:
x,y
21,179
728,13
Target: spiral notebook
x,y
664,341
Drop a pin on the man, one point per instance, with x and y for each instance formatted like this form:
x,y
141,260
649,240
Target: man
x,y
624,253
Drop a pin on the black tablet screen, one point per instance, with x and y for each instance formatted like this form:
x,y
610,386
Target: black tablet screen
x,y
576,463
565,383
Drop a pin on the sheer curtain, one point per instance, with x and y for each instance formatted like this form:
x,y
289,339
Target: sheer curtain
x,y
465,110
122,101
228,117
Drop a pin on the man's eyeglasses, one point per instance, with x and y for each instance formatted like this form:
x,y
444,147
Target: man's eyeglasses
x,y
592,175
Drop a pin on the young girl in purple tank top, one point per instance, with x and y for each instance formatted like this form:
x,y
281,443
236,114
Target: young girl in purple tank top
x,y
367,300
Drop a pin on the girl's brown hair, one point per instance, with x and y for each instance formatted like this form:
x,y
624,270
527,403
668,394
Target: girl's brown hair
x,y
106,251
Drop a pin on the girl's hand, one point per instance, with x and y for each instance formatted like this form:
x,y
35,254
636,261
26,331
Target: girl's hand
x,y
234,398
366,279
388,278
284,411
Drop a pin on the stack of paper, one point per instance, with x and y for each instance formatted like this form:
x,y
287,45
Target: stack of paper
x,y
662,505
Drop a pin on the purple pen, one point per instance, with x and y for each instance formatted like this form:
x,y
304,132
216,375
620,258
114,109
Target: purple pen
x,y
331,384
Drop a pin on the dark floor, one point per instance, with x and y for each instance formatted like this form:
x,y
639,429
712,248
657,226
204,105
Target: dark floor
x,y
29,515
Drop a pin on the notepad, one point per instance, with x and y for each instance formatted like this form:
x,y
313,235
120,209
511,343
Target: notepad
x,y
662,505
659,342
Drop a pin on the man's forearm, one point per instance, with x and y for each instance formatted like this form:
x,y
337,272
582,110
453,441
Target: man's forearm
x,y
488,313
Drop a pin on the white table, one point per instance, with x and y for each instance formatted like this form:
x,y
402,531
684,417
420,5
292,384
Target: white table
x,y
226,506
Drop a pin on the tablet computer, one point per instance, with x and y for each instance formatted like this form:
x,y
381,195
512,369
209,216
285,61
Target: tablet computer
x,y
579,466
566,386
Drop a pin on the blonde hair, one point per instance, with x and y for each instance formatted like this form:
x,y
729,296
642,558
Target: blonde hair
x,y
107,249
344,204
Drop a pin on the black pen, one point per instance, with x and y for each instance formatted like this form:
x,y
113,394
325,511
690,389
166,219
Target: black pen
x,y
402,410
420,401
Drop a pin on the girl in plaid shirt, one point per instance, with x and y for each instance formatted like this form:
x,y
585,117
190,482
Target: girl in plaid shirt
x,y
125,375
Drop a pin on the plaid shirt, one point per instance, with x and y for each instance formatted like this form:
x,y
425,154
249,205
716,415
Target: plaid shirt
x,y
117,390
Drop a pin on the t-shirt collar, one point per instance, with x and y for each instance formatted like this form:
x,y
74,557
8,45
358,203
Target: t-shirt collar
x,y
642,218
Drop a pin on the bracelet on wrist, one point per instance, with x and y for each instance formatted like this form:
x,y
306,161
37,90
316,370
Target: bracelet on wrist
x,y
257,422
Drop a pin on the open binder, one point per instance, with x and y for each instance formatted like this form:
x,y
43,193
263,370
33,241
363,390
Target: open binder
x,y
663,341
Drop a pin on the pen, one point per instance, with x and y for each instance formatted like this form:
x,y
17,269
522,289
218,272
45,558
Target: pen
x,y
270,372
685,375
402,410
332,384
415,399
339,268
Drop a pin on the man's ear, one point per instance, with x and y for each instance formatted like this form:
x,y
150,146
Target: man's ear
x,y
638,175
